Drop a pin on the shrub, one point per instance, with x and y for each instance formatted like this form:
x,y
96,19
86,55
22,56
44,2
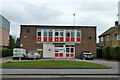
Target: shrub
x,y
6,52
111,53
106,53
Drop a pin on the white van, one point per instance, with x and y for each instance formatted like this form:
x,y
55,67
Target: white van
x,y
19,53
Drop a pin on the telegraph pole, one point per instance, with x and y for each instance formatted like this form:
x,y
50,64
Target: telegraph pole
x,y
74,18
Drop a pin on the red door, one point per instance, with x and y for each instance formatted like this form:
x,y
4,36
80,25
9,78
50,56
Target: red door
x,y
58,52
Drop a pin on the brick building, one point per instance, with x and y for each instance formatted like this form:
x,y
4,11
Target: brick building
x,y
111,37
58,41
4,32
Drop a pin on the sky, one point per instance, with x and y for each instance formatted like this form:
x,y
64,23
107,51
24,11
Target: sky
x,y
102,13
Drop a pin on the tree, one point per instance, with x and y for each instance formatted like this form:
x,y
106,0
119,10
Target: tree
x,y
17,43
11,43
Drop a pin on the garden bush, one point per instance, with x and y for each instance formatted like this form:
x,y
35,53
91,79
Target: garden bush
x,y
111,53
106,53
6,52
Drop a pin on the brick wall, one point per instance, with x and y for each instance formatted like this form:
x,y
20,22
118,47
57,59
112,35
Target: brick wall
x,y
88,37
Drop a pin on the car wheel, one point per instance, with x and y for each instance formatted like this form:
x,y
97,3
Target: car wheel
x,y
13,58
92,59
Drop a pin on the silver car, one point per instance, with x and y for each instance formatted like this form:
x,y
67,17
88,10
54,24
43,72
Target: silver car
x,y
34,55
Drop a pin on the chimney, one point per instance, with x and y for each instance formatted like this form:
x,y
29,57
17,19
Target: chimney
x,y
116,23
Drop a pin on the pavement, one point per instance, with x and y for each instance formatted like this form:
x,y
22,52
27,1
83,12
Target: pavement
x,y
114,70
59,77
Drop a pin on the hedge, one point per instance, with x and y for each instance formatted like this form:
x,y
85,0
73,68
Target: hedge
x,y
6,52
111,53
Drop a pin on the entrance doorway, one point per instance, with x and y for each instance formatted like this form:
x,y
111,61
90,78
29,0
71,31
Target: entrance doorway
x,y
58,52
70,52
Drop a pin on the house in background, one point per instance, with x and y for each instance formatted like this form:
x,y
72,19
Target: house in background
x,y
4,32
111,37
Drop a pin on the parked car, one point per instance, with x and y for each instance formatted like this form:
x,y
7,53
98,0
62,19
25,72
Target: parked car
x,y
34,54
19,53
86,55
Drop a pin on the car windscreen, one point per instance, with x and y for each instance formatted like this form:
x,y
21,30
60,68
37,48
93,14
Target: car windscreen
x,y
32,52
87,53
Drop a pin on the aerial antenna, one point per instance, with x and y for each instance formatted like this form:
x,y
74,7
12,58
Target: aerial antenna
x,y
74,18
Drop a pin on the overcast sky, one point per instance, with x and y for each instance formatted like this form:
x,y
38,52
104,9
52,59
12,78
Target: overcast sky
x,y
102,13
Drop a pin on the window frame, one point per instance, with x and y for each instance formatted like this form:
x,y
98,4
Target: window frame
x,y
108,38
118,37
50,31
72,31
62,31
101,39
45,30
79,33
57,32
68,31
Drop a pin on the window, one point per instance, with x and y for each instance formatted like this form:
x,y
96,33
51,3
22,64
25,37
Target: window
x,y
118,37
68,34
101,39
72,33
72,50
39,34
61,33
56,50
45,33
56,33
15,50
108,38
50,33
78,33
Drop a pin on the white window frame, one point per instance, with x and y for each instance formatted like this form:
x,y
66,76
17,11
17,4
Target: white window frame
x,y
101,39
79,32
69,32
62,32
50,30
108,37
58,32
118,37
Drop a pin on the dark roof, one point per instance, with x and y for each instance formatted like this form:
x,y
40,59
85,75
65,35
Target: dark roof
x,y
40,25
110,30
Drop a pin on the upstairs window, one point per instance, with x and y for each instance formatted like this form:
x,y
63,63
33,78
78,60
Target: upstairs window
x,y
72,33
78,33
67,33
61,33
118,37
45,33
50,33
56,33
108,38
39,34
101,39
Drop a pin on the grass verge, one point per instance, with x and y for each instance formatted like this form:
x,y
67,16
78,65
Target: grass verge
x,y
50,64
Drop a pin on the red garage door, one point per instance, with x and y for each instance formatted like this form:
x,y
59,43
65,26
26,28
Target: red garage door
x,y
58,52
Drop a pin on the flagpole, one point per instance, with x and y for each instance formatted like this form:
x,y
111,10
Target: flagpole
x,y
74,18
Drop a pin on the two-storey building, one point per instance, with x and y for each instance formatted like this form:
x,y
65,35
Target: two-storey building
x,y
55,41
4,32
111,37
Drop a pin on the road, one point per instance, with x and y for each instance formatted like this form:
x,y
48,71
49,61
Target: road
x,y
60,77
